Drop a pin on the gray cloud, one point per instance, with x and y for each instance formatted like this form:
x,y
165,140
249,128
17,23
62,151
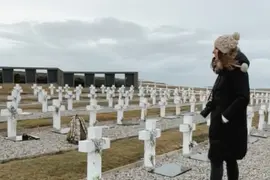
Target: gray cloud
x,y
166,53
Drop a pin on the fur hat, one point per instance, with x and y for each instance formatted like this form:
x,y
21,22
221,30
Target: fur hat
x,y
226,43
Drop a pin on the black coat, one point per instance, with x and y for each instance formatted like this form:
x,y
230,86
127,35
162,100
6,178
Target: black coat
x,y
230,98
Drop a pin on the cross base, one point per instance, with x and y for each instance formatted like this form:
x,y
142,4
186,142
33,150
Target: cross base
x,y
252,140
61,131
171,117
259,135
171,170
26,137
200,157
129,124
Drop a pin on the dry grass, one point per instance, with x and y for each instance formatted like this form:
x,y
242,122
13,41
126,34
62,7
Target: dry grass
x,y
72,165
134,114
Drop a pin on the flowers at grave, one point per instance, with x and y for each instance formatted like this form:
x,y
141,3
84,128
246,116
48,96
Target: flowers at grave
x,y
98,143
13,111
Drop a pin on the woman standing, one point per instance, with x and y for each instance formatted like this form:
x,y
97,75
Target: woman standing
x,y
228,106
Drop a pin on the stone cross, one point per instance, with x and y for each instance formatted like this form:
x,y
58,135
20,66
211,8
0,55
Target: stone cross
x,y
251,102
56,108
11,113
187,128
120,112
266,98
184,96
149,136
192,101
131,92
110,95
261,97
34,87
39,93
257,98
201,95
69,96
92,95
92,88
127,96
51,87
60,91
93,146
268,117
162,104
144,106
81,87
141,95
93,114
204,101
45,101
113,88
250,115
66,87
261,120
177,102
15,98
77,91
153,96
18,89
102,87
121,98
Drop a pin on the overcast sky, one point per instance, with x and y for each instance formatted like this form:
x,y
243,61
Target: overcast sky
x,y
165,40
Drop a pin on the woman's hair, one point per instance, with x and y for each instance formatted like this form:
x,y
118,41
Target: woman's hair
x,y
228,59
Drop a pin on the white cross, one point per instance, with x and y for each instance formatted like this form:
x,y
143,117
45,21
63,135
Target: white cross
x,y
120,112
110,95
34,87
187,128
102,87
131,92
126,95
11,113
18,89
60,91
192,101
162,105
149,136
144,105
66,87
92,95
113,88
250,115
78,92
153,95
92,88
69,96
45,101
15,98
51,87
261,120
93,146
177,102
93,113
56,108
39,93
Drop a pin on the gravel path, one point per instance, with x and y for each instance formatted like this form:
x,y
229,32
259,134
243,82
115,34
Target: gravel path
x,y
52,142
254,166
